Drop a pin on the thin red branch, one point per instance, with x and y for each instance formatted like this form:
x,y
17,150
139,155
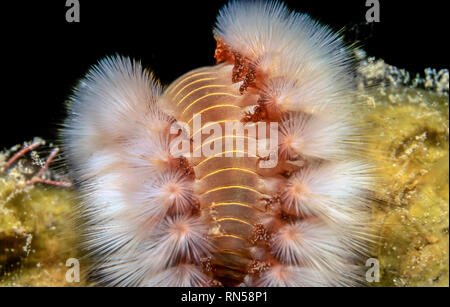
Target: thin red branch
x,y
49,182
38,177
47,162
21,153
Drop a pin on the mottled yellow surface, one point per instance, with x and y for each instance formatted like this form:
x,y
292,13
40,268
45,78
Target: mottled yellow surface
x,y
36,233
409,140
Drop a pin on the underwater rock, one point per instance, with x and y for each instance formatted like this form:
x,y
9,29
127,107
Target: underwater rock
x,y
409,123
36,233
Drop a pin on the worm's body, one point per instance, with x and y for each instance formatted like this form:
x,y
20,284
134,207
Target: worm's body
x,y
228,188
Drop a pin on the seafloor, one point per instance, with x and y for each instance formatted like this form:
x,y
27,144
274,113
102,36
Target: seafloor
x,y
407,124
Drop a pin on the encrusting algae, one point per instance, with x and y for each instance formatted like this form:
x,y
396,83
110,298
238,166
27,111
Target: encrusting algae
x,y
36,233
408,121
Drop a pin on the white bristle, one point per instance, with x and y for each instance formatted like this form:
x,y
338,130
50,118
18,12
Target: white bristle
x,y
303,276
290,276
177,239
116,140
324,136
148,153
336,192
305,64
311,243
114,92
173,246
165,192
184,275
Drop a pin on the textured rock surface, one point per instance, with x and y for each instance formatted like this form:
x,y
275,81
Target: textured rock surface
x,y
36,235
409,123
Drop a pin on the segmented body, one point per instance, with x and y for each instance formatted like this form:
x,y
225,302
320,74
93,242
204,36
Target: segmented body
x,y
227,186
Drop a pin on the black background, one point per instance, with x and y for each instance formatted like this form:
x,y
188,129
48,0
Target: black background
x,y
44,56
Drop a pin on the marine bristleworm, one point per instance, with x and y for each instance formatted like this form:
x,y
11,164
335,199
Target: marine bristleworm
x,y
155,218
